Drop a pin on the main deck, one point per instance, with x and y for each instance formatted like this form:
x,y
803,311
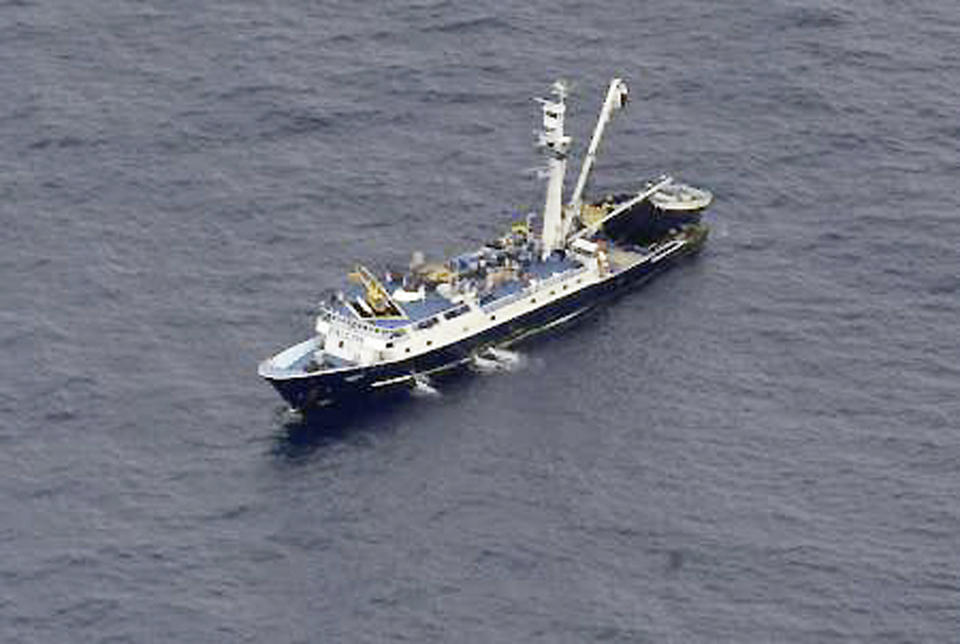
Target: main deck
x,y
434,303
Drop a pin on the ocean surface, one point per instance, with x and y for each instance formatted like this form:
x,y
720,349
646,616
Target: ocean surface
x,y
761,445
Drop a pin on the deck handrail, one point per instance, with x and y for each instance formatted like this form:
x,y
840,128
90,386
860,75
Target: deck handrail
x,y
532,289
330,315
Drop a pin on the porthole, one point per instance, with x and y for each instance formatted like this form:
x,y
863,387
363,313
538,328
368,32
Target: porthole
x,y
429,342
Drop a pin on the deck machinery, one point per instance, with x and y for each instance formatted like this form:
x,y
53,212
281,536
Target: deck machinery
x,y
378,333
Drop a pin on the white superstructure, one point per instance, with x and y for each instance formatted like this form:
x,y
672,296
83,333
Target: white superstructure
x,y
377,333
555,143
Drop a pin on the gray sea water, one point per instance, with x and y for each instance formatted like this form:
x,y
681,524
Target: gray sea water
x,y
762,445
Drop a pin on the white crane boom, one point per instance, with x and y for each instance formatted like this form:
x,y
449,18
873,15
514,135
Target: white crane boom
x,y
616,98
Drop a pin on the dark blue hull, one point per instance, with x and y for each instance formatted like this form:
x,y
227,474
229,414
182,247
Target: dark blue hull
x,y
325,387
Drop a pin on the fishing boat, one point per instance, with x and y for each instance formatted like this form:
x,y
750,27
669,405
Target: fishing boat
x,y
398,329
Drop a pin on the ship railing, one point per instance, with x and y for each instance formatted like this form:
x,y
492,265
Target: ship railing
x,y
334,317
533,288
661,251
556,278
504,301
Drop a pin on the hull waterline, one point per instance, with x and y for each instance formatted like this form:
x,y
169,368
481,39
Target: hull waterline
x,y
304,391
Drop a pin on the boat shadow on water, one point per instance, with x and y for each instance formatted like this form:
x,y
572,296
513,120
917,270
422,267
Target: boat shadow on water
x,y
356,421
299,434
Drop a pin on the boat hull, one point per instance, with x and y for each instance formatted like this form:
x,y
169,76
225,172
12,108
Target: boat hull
x,y
302,391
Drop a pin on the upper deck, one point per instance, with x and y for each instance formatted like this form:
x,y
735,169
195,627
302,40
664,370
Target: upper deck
x,y
488,287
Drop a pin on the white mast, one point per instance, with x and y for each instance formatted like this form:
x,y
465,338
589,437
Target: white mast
x,y
616,98
553,140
